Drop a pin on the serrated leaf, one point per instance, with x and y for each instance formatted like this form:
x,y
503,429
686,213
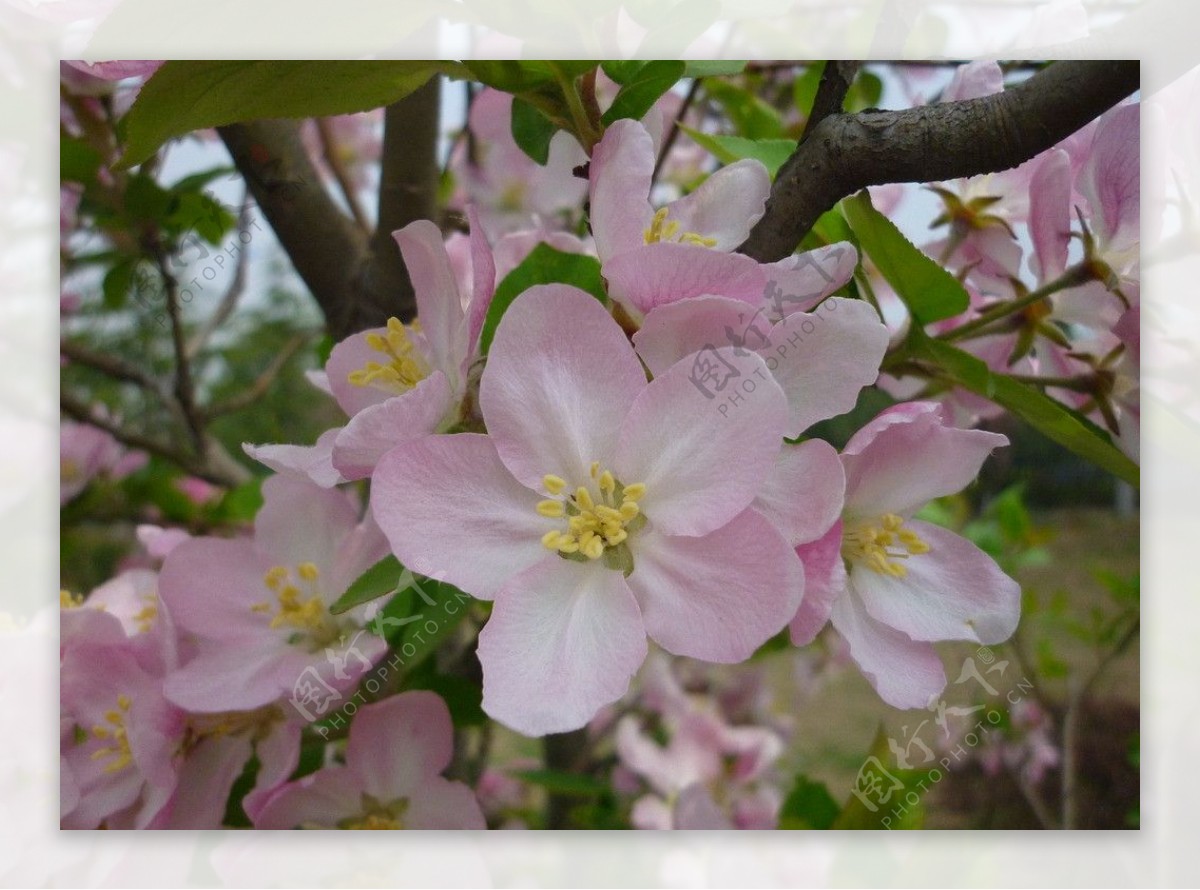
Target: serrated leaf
x,y
753,117
930,292
642,90
1053,419
532,130
184,96
771,153
544,265
377,581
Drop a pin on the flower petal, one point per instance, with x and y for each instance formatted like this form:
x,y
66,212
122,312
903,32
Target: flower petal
x,y
1111,179
726,205
907,456
720,596
798,282
439,804
701,465
347,357
677,330
209,585
824,582
664,273
451,511
397,744
377,428
313,462
802,496
439,305
1050,215
323,798
301,522
563,641
906,674
823,359
621,171
483,286
953,592
560,379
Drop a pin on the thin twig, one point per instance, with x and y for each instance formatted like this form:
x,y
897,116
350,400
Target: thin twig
x,y
334,162
112,366
673,134
233,293
185,393
262,383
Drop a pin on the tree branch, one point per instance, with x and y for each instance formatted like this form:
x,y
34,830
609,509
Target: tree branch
x,y
233,293
831,93
326,247
407,192
258,389
847,152
329,149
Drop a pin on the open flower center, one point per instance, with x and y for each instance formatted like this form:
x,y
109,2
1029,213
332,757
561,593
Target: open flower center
x,y
112,731
882,544
297,603
404,367
598,517
663,229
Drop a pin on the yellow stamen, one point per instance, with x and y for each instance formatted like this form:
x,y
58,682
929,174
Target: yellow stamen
x,y
596,519
119,751
880,544
554,484
551,508
661,229
405,366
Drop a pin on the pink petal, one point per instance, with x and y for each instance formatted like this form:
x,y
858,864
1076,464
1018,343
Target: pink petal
x,y
906,674
701,465
563,641
973,81
663,273
452,511
209,585
696,810
621,170
824,582
440,804
1050,215
230,679
278,755
802,496
322,798
823,359
677,330
560,379
301,522
483,271
906,457
439,306
1111,178
205,780
717,597
346,357
377,428
798,282
313,462
726,205
953,592
397,744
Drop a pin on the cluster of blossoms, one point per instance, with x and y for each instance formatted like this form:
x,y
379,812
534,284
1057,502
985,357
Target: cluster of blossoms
x,y
606,473
1060,232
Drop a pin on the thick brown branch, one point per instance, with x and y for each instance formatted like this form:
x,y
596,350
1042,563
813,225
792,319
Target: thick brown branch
x,y
407,192
831,93
847,152
326,247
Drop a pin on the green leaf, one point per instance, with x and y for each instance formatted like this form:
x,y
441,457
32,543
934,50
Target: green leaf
x,y
77,161
197,181
771,153
622,71
418,618
463,697
571,784
875,812
1053,419
117,282
804,90
184,96
809,805
638,94
752,117
713,68
930,292
544,265
516,77
532,130
379,580
864,93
